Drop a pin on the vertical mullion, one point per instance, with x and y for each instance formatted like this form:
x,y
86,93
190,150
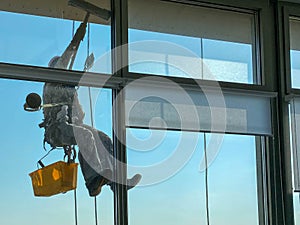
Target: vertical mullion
x,y
120,193
261,180
119,132
286,65
116,39
284,87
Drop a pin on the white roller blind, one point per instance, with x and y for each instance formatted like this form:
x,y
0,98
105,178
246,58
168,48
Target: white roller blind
x,y
181,19
294,34
210,110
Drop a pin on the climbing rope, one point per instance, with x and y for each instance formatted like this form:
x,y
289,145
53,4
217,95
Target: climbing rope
x,y
91,113
76,210
75,192
92,123
206,182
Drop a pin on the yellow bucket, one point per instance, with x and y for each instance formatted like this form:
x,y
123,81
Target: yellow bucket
x,y
56,178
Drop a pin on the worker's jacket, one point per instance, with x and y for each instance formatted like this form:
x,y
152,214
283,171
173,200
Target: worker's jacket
x,y
54,93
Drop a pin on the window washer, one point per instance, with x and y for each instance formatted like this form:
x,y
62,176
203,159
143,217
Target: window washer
x,y
64,127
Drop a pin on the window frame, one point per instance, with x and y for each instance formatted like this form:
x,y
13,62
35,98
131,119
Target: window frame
x,y
120,77
260,49
255,55
286,93
266,67
288,12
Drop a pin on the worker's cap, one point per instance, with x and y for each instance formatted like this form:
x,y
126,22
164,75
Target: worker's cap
x,y
53,61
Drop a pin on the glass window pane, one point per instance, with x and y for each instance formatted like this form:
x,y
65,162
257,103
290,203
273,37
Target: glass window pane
x,y
295,131
232,174
35,39
295,52
180,198
294,144
296,197
228,61
174,39
21,148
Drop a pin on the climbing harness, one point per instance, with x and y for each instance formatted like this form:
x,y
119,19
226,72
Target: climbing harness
x,y
70,153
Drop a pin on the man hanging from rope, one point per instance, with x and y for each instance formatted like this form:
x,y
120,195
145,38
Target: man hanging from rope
x,y
64,126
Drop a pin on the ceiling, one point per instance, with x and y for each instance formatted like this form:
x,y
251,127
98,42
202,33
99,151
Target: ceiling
x,y
53,8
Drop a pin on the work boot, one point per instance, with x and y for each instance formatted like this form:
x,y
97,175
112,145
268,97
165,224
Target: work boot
x,y
131,183
95,184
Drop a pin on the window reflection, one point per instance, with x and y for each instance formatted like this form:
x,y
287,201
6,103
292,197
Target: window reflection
x,y
181,198
294,144
295,68
295,52
296,200
191,42
21,147
231,175
227,61
34,40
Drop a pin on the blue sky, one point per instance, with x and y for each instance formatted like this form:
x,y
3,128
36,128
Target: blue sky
x,y
180,199
295,72
21,147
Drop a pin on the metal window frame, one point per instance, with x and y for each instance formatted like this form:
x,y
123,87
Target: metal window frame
x,y
286,10
71,77
282,155
261,49
262,184
270,200
278,196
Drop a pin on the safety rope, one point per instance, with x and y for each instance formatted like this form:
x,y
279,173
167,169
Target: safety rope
x,y
75,193
92,123
206,181
73,28
76,210
89,88
96,211
91,113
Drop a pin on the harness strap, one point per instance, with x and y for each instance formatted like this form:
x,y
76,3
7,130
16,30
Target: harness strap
x,y
70,153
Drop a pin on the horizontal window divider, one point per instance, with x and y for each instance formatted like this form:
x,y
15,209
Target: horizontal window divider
x,y
215,5
290,8
41,74
295,93
197,131
292,95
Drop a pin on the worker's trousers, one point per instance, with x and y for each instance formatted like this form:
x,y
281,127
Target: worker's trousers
x,y
95,149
